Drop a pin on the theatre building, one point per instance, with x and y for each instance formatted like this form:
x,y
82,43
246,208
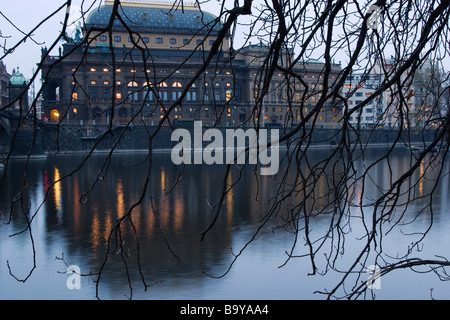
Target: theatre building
x,y
152,60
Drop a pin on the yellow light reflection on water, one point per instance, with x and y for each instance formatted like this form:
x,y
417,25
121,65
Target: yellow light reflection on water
x,y
57,190
229,200
120,199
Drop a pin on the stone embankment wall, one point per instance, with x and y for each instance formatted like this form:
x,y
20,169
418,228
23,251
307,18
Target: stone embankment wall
x,y
75,138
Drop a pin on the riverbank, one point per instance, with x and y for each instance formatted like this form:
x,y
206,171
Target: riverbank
x,y
77,139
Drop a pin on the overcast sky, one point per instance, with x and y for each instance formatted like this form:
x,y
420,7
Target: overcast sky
x,y
26,14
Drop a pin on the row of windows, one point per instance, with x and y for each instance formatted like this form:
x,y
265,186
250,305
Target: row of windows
x,y
149,95
369,118
175,84
136,94
158,40
179,113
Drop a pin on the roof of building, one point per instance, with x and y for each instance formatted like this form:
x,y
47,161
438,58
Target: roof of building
x,y
163,18
17,78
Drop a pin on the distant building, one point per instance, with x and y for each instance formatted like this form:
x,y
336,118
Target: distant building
x,y
287,100
17,87
427,95
155,59
4,80
418,102
374,114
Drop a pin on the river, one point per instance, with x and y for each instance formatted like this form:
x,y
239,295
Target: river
x,y
73,229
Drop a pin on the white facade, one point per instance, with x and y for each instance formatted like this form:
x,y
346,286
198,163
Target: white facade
x,y
374,114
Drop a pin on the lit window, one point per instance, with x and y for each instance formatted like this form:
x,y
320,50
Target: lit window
x,y
228,95
74,95
105,83
118,95
93,82
93,69
105,70
118,70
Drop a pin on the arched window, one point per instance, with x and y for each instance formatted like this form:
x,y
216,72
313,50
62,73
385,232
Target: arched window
x,y
176,93
242,115
133,94
192,93
163,94
148,94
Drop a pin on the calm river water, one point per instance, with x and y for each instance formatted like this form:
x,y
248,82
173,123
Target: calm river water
x,y
78,230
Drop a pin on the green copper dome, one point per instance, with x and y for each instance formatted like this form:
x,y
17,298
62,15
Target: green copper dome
x,y
17,79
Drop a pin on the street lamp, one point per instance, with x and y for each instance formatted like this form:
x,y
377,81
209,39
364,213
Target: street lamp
x,y
55,115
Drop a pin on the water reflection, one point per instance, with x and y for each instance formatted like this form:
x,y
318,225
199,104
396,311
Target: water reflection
x,y
80,228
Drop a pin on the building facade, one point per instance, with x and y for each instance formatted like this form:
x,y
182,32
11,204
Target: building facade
x,y
4,80
152,61
374,114
18,87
